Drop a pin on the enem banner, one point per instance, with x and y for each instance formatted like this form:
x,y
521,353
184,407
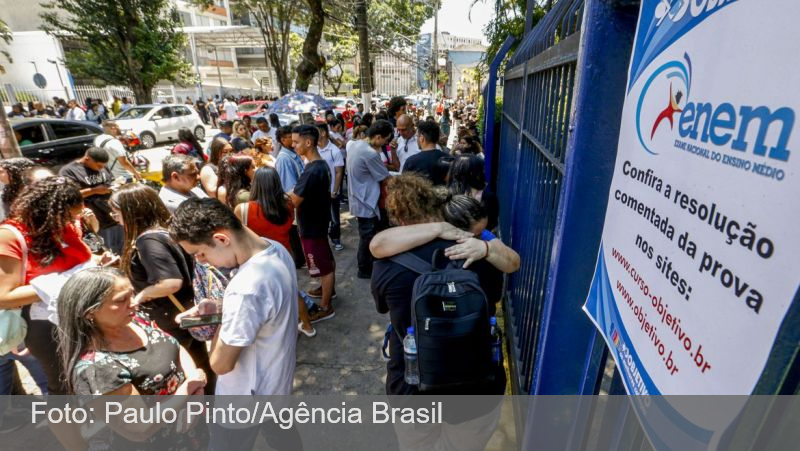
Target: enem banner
x,y
700,256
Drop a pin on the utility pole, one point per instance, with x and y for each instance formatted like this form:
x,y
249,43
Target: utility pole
x,y
219,73
363,52
435,48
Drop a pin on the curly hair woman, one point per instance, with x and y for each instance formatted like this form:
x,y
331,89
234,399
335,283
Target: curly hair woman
x,y
11,175
413,201
158,268
41,236
235,176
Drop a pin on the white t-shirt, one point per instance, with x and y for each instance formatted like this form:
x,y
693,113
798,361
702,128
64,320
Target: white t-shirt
x,y
333,156
259,314
259,134
115,150
76,114
173,199
402,154
230,110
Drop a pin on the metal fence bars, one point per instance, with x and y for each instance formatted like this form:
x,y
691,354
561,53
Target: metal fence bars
x,y
538,90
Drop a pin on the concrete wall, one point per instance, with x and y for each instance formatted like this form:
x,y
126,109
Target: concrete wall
x,y
37,47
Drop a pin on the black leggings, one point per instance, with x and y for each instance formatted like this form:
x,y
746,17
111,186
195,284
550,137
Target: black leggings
x,y
41,342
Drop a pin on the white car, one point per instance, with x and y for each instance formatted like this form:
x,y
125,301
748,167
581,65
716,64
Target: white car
x,y
161,122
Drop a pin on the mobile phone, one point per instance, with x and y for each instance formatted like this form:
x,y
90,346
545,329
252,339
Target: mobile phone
x,y
113,262
201,320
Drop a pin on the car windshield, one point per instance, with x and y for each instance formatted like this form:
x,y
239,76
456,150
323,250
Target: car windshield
x,y
248,107
339,102
134,113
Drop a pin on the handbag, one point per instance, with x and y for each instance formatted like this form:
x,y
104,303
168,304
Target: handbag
x,y
13,327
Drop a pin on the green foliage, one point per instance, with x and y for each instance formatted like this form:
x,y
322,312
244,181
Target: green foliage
x,y
342,47
131,42
5,36
498,114
509,20
274,19
396,23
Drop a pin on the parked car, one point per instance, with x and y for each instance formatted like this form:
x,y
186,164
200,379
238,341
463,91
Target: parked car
x,y
157,123
54,142
253,108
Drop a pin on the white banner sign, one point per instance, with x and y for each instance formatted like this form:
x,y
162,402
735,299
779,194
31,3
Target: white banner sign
x,y
700,258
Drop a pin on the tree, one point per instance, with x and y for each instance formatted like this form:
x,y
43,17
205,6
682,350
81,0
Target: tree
x,y
509,20
343,47
130,42
391,25
5,36
311,61
274,19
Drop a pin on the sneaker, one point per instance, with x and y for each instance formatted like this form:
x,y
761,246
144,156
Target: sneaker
x,y
337,245
321,315
316,293
308,334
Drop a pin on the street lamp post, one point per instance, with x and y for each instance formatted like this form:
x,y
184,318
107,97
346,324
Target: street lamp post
x,y
219,73
61,80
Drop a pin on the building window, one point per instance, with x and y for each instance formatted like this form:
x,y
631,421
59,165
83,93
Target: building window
x,y
186,19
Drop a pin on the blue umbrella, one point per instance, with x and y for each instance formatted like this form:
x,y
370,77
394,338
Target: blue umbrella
x,y
300,102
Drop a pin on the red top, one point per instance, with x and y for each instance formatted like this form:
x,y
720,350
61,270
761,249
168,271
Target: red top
x,y
348,117
259,224
74,251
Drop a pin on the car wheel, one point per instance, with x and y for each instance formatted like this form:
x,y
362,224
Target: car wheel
x,y
148,140
200,133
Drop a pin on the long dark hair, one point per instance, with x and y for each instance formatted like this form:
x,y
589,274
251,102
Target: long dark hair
x,y
44,209
466,173
268,192
463,211
216,150
274,121
14,167
141,210
233,176
187,136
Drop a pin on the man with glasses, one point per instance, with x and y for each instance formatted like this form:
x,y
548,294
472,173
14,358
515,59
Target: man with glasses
x,y
180,176
95,180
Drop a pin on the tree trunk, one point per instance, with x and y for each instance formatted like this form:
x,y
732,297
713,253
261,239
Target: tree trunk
x,y
283,80
143,94
312,61
363,47
8,141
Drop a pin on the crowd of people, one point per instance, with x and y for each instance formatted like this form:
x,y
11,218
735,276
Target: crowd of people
x,y
114,271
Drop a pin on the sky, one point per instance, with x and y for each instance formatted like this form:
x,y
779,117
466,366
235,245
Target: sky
x,y
454,18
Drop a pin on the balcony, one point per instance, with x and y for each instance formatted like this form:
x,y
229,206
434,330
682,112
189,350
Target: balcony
x,y
220,63
217,10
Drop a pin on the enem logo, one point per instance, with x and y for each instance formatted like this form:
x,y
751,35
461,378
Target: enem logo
x,y
666,98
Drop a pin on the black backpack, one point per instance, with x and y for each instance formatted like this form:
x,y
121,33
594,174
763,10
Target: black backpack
x,y
450,315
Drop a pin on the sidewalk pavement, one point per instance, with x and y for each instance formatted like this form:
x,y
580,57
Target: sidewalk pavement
x,y
345,357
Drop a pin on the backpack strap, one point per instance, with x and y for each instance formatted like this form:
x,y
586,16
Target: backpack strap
x,y
413,263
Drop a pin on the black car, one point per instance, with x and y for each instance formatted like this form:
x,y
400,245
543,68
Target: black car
x,y
54,142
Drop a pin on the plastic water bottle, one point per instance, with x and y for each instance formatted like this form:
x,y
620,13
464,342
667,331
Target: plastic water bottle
x,y
410,352
497,341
